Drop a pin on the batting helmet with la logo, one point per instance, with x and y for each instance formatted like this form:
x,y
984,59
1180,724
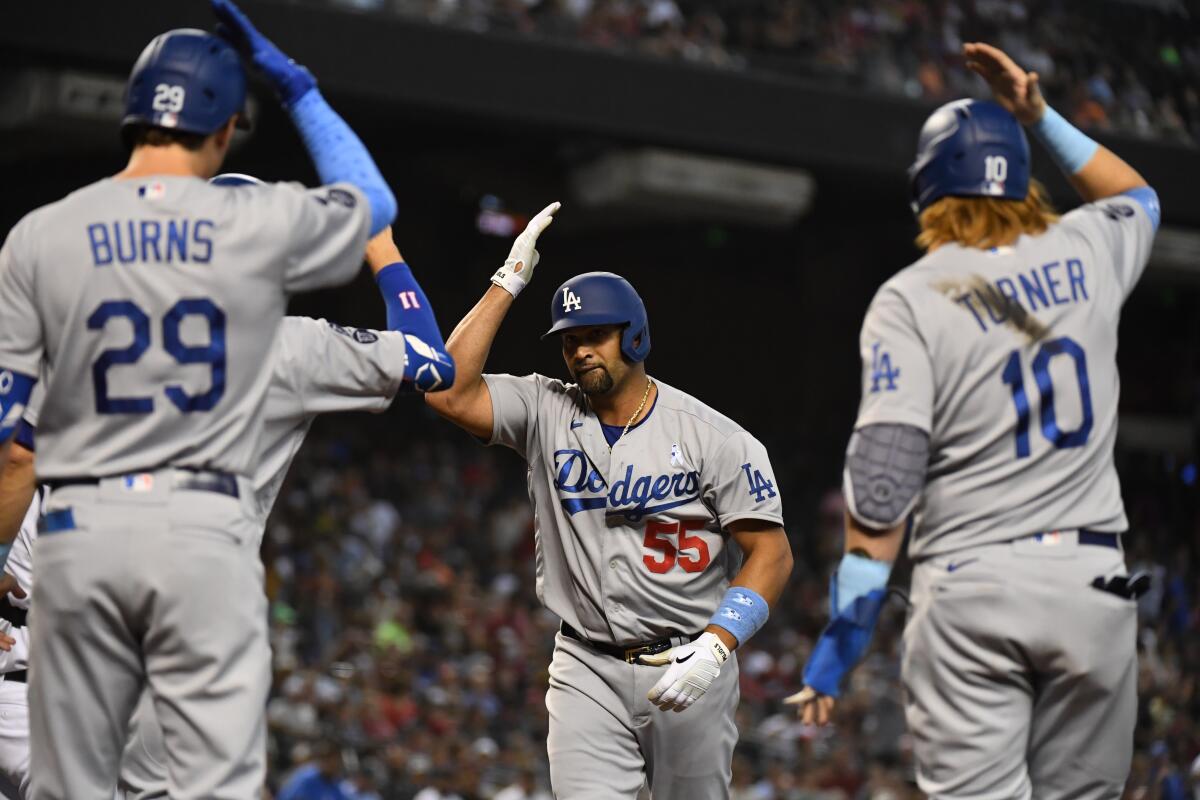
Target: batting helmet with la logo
x,y
602,298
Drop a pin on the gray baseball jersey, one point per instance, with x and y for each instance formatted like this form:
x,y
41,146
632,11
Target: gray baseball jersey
x,y
156,302
630,543
319,367
1007,359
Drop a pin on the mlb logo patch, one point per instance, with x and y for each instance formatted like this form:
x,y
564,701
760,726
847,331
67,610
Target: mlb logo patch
x,y
142,482
152,191
168,119
1051,539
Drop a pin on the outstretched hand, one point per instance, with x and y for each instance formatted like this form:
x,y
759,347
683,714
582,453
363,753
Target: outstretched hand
x,y
1012,87
517,271
814,708
291,81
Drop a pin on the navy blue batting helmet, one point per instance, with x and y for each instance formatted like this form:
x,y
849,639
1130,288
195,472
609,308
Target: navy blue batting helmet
x,y
186,80
970,148
602,298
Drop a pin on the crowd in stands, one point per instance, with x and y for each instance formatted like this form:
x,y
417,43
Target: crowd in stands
x,y
411,654
1127,65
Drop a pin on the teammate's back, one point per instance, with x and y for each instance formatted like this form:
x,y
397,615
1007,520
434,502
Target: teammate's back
x,y
164,295
1019,373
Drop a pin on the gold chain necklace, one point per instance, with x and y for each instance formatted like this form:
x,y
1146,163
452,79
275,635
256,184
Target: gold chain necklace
x,y
645,395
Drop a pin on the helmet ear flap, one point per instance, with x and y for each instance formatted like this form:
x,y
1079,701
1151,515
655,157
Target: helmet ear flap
x,y
635,342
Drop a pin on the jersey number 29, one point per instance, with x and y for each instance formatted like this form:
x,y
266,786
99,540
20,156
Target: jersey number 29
x,y
212,353
1014,376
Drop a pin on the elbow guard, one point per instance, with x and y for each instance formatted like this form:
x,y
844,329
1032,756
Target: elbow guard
x,y
427,368
885,472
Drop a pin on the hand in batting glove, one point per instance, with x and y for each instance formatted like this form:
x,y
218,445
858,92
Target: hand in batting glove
x,y
517,271
291,81
692,669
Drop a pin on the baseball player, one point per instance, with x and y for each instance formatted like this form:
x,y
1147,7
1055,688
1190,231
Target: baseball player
x,y
989,411
316,367
156,298
645,501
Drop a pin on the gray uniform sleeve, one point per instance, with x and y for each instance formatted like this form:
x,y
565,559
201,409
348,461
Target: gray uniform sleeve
x,y
1119,233
33,409
514,410
21,341
740,484
330,367
897,382
327,230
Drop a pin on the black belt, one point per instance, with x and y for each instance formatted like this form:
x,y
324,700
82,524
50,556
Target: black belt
x,y
19,619
1090,537
186,478
629,654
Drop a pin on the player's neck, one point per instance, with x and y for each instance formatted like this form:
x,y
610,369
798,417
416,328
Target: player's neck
x,y
618,406
147,161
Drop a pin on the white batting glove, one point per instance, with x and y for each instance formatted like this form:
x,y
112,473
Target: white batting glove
x,y
517,271
693,668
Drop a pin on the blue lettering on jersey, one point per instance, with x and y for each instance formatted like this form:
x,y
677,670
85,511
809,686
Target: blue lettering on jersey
x,y
633,496
759,486
1054,284
881,370
151,241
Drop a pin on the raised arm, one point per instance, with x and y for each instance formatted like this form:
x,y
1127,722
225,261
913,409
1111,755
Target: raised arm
x,y
337,152
427,367
469,403
1094,170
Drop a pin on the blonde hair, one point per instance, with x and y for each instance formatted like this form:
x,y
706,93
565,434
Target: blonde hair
x,y
985,222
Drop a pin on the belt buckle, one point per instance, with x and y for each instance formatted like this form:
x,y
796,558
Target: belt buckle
x,y
632,653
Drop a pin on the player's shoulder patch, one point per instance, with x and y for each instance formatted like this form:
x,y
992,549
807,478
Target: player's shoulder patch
x,y
360,335
337,196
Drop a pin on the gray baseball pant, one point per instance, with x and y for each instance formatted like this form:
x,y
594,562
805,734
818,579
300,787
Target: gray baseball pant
x,y
1021,678
155,588
606,739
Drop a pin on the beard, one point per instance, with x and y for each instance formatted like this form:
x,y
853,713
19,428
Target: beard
x,y
595,381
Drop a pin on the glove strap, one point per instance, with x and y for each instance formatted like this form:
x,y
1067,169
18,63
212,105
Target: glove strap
x,y
508,280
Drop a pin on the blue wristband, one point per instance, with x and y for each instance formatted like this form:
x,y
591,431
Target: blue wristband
x,y
340,156
15,389
1070,147
742,612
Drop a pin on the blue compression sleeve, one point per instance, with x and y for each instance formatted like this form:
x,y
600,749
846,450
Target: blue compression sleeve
x,y
856,595
1148,199
339,155
15,389
1070,147
429,367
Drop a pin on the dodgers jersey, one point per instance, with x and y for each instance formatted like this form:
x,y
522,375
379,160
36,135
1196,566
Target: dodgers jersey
x,y
155,304
1007,359
317,367
631,543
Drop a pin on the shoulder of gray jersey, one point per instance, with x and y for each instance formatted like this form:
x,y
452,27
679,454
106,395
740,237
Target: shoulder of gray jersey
x,y
680,402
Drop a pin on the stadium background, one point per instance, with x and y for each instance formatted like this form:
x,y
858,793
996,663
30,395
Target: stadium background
x,y
399,564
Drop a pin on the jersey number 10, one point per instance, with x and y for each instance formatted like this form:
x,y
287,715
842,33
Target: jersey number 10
x,y
1015,378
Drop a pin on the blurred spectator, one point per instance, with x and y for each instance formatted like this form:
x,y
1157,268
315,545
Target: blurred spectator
x,y
1129,65
319,780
